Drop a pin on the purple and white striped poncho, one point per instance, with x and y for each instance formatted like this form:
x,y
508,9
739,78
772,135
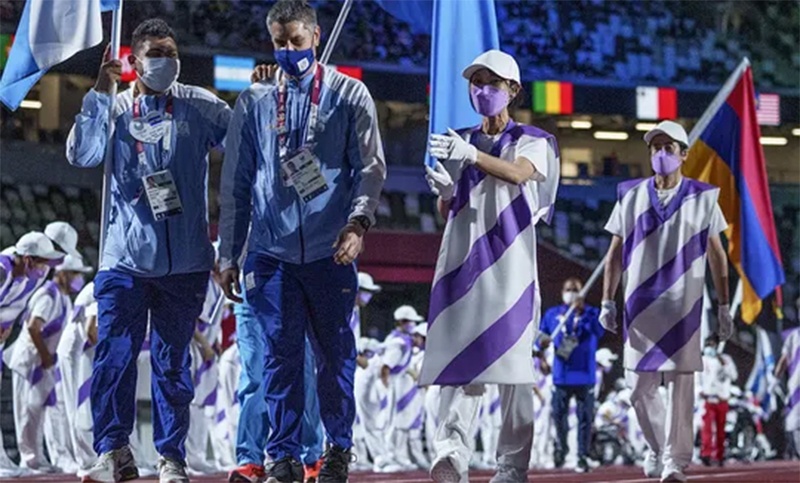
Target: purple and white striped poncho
x,y
485,294
664,268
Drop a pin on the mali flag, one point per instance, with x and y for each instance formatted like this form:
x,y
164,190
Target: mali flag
x,y
552,97
725,151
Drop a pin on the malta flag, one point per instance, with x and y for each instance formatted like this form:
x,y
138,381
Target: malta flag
x,y
725,151
656,103
49,32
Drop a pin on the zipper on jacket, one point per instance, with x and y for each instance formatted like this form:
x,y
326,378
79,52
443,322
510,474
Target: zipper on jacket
x,y
300,226
169,251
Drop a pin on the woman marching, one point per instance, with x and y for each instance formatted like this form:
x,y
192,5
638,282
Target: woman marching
x,y
495,181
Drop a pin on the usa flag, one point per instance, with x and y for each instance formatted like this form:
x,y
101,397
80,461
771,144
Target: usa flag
x,y
768,109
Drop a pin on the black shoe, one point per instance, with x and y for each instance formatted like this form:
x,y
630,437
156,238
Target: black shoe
x,y
335,465
558,458
582,466
286,470
706,460
721,463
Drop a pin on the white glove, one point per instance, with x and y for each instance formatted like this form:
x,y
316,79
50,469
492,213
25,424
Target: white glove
x,y
725,322
451,147
608,315
440,181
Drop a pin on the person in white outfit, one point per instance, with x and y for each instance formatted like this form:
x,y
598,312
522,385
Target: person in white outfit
x,y
367,288
23,268
544,431
33,361
75,355
495,181
371,408
662,230
790,359
417,405
605,361
205,374
397,371
718,376
490,423
227,418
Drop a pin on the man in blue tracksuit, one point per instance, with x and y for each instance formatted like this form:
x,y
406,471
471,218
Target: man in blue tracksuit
x,y
304,162
574,368
254,424
157,252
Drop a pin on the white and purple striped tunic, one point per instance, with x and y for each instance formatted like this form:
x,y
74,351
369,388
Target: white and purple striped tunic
x,y
663,271
14,291
485,295
791,350
206,373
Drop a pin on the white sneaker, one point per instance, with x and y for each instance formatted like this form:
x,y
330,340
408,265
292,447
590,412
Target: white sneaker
x,y
171,471
112,466
510,474
673,473
445,471
11,472
652,464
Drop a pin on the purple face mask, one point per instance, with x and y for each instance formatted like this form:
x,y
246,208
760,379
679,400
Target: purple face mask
x,y
76,284
488,100
408,327
665,163
364,297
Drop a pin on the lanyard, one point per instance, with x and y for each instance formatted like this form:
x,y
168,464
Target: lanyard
x,y
283,132
166,139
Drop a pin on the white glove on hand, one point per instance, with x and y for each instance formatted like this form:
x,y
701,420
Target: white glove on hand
x,y
608,315
440,181
725,322
451,147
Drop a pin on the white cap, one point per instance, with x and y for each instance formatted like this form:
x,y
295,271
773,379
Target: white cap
x,y
407,312
72,264
65,236
366,283
671,129
367,344
36,244
605,357
421,329
496,61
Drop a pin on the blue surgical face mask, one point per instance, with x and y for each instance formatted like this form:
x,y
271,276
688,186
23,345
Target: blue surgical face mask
x,y
295,62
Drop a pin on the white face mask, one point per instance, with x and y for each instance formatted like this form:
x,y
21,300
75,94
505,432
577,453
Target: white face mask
x,y
709,351
569,297
160,72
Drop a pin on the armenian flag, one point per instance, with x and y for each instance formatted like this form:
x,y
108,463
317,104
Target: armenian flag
x,y
725,151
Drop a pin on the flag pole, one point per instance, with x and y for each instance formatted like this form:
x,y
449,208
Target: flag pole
x,y
582,295
116,36
335,32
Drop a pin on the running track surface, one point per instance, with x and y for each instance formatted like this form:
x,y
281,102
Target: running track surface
x,y
763,472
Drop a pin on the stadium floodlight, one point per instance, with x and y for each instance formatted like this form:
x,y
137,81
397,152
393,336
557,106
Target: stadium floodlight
x,y
580,124
774,141
611,135
645,126
796,131
30,104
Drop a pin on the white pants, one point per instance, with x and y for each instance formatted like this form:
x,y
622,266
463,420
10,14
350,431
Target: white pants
x,y
58,433
542,456
416,450
458,414
375,441
29,420
197,440
5,461
667,430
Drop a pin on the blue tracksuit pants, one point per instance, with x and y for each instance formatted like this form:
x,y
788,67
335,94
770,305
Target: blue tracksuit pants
x,y
254,424
294,302
173,302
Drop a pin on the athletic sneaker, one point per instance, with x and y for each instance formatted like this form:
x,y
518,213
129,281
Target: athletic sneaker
x,y
335,465
311,472
171,471
652,464
674,473
582,466
444,471
558,458
286,470
248,473
510,474
112,466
